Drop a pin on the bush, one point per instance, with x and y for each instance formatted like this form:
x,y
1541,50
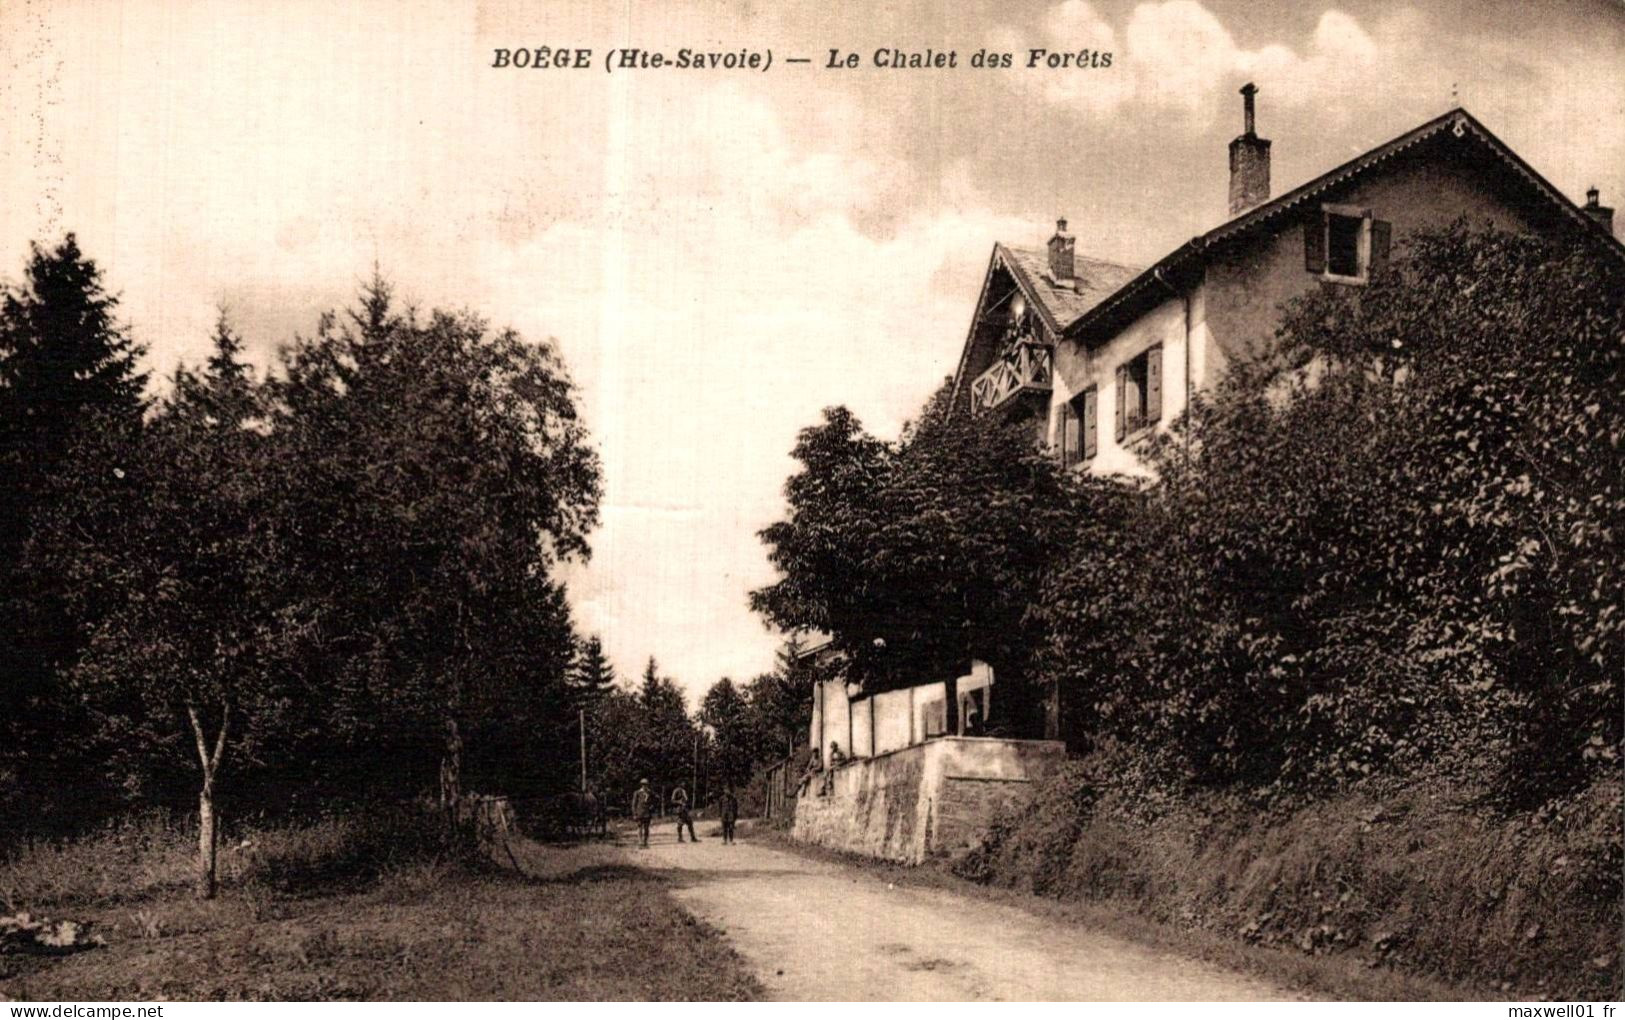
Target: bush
x,y
1387,544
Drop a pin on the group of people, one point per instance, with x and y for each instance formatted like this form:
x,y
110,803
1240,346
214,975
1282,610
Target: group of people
x,y
643,811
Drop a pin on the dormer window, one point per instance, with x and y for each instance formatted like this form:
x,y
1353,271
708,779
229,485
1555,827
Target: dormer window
x,y
1344,243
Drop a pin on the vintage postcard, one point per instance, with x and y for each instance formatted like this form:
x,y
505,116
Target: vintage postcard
x,y
1054,500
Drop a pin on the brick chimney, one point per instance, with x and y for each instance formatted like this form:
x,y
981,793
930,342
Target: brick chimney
x,y
1601,213
1063,268
1249,161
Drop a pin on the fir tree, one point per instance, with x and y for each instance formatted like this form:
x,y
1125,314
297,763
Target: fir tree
x,y
71,405
591,676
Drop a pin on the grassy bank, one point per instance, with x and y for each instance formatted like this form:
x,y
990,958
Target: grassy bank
x,y
1420,881
357,908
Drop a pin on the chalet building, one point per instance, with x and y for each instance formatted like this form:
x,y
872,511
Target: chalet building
x,y
1101,355
848,722
893,782
890,780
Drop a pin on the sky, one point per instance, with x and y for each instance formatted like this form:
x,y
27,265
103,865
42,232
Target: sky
x,y
717,254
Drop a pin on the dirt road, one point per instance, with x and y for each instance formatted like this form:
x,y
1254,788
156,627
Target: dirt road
x,y
824,931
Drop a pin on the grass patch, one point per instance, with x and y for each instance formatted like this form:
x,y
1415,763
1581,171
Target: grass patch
x,y
1416,882
127,860
357,908
136,858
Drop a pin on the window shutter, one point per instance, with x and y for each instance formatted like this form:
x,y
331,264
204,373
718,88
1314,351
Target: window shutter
x,y
1091,402
1122,373
1381,237
1153,384
1314,244
1069,435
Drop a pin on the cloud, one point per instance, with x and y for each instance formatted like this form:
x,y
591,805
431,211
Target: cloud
x,y
1170,56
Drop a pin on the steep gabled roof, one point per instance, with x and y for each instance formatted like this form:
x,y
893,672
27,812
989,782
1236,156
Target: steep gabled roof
x,y
1059,307
1096,281
1152,282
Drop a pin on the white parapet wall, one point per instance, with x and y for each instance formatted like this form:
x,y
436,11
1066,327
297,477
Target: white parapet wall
x,y
932,799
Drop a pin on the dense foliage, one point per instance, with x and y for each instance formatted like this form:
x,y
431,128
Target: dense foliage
x,y
920,555
70,391
443,473
727,717
1389,543
643,731
335,579
1392,544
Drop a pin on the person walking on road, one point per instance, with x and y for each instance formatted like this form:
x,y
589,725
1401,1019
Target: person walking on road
x,y
679,804
643,809
728,807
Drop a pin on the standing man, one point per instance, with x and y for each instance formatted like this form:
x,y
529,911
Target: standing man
x,y
679,804
728,805
643,809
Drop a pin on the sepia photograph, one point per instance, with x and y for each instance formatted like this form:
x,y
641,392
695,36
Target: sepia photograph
x,y
513,501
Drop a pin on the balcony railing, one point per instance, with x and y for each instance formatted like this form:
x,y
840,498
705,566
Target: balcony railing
x,y
1025,365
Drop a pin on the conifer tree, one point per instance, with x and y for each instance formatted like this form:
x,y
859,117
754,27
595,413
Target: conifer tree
x,y
71,402
591,675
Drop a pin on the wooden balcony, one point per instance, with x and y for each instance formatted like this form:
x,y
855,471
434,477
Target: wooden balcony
x,y
1025,367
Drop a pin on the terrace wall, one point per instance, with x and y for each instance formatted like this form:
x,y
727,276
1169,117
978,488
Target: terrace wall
x,y
930,799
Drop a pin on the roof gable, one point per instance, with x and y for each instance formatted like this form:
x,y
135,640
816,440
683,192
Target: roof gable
x,y
1457,122
1058,307
1278,211
1096,280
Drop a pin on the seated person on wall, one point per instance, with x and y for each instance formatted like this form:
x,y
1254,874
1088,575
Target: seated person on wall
x,y
973,721
814,766
837,757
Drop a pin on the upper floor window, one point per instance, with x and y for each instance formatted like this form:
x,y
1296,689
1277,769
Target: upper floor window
x,y
1139,392
1077,429
1344,243
1345,236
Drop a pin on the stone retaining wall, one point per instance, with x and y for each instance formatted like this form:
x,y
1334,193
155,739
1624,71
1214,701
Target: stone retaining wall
x,y
935,798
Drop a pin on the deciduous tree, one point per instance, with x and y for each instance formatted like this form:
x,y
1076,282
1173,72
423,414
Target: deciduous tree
x,y
920,555
441,474
201,625
591,675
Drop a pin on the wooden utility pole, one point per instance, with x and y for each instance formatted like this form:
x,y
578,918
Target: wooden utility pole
x,y
581,718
